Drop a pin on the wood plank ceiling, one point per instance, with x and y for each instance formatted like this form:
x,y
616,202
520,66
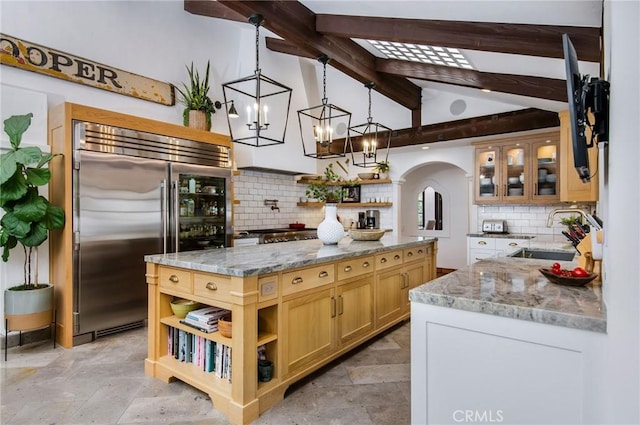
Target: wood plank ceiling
x,y
307,34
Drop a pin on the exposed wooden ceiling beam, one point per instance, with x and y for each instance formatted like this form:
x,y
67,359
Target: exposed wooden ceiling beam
x,y
521,39
295,23
283,46
538,87
487,125
212,9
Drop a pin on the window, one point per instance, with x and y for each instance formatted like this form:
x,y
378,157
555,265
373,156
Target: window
x,y
430,210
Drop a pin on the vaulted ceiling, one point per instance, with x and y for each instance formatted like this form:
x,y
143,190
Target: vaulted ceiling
x,y
342,30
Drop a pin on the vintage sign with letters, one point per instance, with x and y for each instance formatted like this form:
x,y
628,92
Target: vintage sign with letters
x,y
44,60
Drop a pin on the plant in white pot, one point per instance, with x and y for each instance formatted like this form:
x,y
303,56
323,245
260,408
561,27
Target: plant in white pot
x,y
28,218
328,190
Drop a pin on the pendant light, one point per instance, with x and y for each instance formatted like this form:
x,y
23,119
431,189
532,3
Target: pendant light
x,y
324,129
370,139
263,104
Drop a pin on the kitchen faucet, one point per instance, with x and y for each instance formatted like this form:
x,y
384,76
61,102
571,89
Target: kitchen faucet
x,y
273,203
587,217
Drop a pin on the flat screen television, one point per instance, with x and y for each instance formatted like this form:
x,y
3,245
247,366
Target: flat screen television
x,y
585,95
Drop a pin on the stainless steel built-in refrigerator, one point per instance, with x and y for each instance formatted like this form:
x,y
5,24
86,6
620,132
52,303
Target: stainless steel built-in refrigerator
x,y
135,194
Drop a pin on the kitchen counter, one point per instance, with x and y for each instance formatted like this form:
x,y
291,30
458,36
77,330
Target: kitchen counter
x,y
515,288
498,339
261,259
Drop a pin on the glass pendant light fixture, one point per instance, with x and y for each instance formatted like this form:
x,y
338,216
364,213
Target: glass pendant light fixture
x,y
370,139
324,129
263,102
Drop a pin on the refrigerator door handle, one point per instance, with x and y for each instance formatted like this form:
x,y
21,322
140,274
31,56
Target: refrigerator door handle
x,y
176,209
164,210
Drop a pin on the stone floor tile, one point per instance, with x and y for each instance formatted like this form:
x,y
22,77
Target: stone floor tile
x,y
379,373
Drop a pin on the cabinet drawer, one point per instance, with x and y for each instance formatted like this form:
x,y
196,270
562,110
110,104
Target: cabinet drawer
x,y
482,243
212,286
414,254
388,259
511,245
303,279
479,254
355,267
176,279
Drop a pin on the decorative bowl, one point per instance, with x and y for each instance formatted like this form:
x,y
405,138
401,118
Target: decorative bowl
x,y
567,280
485,181
366,176
181,307
224,326
366,234
551,178
513,180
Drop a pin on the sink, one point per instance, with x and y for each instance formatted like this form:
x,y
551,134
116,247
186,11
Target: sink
x,y
543,254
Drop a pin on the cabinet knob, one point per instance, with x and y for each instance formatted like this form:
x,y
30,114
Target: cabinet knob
x,y
420,251
347,269
323,274
396,257
410,254
173,278
513,244
296,280
365,264
482,243
383,260
212,286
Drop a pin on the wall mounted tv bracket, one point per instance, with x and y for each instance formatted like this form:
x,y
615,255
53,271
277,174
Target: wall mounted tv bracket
x,y
595,97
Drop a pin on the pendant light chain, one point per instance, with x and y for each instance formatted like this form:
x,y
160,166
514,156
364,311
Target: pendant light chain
x,y
257,24
369,118
324,82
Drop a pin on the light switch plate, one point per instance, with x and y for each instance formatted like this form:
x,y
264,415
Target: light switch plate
x,y
267,288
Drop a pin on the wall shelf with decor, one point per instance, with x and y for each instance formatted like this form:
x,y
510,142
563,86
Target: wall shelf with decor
x,y
347,204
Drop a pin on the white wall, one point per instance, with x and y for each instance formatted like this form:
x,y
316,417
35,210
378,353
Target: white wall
x,y
621,195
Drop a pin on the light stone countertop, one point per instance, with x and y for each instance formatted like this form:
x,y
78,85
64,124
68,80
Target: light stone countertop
x,y
261,259
514,288
501,235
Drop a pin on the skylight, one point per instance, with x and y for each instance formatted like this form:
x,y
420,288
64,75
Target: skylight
x,y
435,55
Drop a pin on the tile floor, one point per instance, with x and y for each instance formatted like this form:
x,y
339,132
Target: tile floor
x,y
103,382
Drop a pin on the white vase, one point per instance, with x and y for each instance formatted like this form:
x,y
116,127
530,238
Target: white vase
x,y
330,231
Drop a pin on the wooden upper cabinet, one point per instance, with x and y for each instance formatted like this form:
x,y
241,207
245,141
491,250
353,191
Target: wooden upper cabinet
x,y
572,189
518,170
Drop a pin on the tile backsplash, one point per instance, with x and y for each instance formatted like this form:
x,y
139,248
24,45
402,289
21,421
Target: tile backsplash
x,y
252,188
529,219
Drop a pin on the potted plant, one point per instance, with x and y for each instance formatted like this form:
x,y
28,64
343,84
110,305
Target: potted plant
x,y
382,168
327,190
195,98
27,220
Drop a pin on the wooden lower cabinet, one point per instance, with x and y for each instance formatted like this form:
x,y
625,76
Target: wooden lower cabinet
x,y
354,309
308,328
302,318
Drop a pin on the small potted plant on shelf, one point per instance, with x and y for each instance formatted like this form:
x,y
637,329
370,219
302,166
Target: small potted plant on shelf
x,y
195,98
326,190
382,168
27,221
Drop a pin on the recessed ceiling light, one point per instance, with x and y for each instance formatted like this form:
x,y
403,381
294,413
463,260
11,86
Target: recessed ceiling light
x,y
425,148
486,90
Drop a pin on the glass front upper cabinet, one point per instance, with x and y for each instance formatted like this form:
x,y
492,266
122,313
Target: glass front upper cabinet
x,y
514,182
487,172
546,169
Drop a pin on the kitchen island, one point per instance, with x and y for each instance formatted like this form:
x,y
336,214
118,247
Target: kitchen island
x,y
301,304
497,342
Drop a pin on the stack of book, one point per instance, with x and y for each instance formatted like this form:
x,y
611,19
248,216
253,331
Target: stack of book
x,y
207,355
205,319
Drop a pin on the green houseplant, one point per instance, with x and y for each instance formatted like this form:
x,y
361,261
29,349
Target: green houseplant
x,y
326,190
382,168
27,220
195,98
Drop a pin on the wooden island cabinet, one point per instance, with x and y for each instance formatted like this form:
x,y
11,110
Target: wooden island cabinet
x,y
304,304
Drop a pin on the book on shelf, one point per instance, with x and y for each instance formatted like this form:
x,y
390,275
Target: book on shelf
x,y
209,315
207,355
203,327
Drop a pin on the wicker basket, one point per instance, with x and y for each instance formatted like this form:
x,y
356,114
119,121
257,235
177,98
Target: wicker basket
x,y
224,326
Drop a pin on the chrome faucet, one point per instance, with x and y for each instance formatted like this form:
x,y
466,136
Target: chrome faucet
x,y
565,210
